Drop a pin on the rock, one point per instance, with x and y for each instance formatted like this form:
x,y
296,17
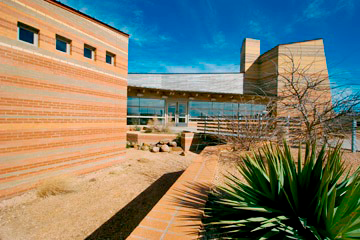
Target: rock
x,y
145,148
162,142
137,146
155,149
165,148
146,144
176,149
173,144
183,154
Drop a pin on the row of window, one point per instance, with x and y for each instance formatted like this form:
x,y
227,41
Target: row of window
x,y
146,107
30,35
224,109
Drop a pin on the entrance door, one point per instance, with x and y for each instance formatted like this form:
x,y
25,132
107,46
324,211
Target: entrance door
x,y
177,113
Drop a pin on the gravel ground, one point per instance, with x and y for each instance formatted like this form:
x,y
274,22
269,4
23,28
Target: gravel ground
x,y
98,197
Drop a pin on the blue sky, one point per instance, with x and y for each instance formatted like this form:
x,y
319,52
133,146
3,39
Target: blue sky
x,y
206,35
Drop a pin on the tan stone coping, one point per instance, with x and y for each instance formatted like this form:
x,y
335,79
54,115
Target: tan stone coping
x,y
176,215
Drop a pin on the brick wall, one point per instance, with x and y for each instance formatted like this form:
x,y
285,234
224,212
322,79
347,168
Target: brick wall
x,y
266,76
150,138
59,113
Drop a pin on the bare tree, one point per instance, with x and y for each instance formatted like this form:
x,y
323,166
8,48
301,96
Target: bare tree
x,y
304,92
303,105
244,131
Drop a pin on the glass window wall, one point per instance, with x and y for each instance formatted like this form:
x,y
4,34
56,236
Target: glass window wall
x,y
141,110
223,109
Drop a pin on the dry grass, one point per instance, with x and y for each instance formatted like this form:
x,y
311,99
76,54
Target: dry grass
x,y
55,186
99,197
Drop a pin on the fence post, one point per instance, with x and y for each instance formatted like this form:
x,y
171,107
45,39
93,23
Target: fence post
x,y
238,124
353,137
218,125
205,124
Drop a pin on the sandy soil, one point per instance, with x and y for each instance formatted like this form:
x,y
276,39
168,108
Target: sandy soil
x,y
98,197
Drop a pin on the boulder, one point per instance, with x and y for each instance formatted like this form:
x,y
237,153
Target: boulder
x,y
165,141
155,149
173,144
145,148
165,148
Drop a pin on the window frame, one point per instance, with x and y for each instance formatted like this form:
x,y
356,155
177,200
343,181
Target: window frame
x,y
29,28
63,39
92,49
144,105
112,55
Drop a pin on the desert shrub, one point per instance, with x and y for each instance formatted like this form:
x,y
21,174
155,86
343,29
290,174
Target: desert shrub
x,y
55,186
155,126
282,198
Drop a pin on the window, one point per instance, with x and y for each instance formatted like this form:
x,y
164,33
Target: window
x,y
110,58
212,109
223,109
89,51
28,34
141,110
63,44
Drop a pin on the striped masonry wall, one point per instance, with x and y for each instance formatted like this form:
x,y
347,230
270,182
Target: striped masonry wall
x,y
149,138
250,51
59,113
266,76
305,59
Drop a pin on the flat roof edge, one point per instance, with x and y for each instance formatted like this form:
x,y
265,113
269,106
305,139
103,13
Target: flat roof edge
x,y
183,73
88,17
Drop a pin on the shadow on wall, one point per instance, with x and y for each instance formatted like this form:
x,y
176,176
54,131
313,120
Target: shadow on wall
x,y
201,140
125,221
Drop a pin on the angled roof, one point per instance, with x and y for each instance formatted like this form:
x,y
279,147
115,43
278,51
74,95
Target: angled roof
x,y
227,83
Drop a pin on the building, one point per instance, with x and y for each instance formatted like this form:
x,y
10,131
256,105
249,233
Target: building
x,y
63,93
65,90
185,98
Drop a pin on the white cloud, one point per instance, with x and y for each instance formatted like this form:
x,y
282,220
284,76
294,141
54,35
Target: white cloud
x,y
261,28
203,67
315,10
321,8
84,9
126,15
218,41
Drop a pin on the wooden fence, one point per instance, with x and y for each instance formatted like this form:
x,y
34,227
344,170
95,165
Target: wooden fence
x,y
261,127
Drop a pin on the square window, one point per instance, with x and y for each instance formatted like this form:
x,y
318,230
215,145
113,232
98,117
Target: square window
x,y
89,52
62,44
110,58
28,34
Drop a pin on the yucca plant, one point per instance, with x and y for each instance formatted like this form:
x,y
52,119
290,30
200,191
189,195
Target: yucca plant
x,y
312,198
